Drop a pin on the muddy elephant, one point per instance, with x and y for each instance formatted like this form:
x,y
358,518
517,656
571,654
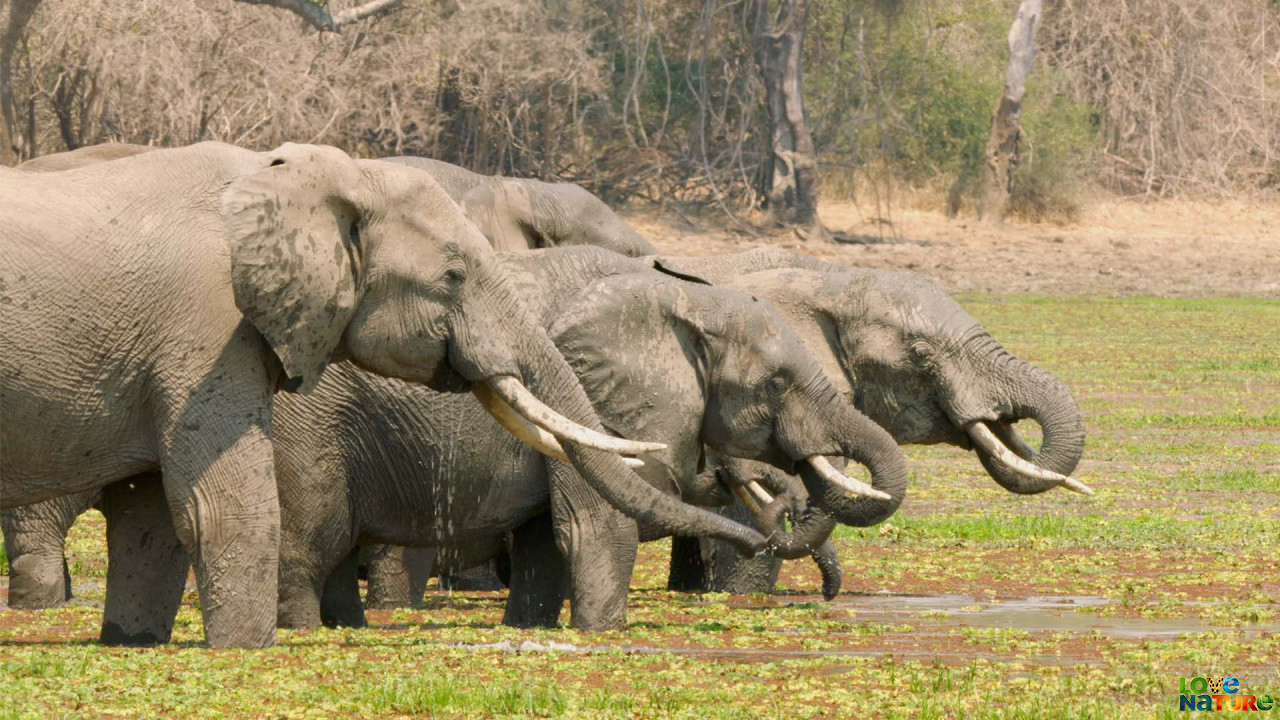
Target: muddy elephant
x,y
153,304
902,352
512,214
522,214
908,356
371,460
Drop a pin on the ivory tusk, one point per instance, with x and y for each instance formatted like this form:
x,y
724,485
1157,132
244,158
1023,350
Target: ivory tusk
x,y
523,402
762,494
1009,436
842,481
525,431
987,440
747,500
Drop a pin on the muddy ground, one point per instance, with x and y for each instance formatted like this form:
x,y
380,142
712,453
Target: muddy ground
x,y
1166,249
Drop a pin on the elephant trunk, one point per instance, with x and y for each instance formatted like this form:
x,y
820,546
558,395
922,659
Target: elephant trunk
x,y
548,375
1041,397
829,502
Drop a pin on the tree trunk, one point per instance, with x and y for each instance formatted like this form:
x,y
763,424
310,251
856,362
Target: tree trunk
x,y
1002,148
13,149
789,182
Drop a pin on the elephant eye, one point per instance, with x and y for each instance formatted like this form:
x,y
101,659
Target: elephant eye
x,y
922,349
778,383
354,233
454,276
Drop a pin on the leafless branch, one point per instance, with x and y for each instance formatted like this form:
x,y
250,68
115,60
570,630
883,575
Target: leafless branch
x,y
319,17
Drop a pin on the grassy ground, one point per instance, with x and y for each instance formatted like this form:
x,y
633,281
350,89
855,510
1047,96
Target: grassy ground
x,y
968,603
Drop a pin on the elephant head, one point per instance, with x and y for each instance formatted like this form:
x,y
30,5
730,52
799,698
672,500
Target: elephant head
x,y
520,214
528,214
906,354
373,261
702,365
914,361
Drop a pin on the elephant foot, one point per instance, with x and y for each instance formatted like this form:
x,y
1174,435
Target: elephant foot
x,y
38,583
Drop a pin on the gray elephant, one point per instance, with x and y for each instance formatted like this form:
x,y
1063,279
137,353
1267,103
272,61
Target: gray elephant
x,y
366,459
521,214
512,214
901,351
908,356
154,304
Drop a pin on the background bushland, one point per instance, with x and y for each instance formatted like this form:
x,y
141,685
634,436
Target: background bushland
x,y
661,100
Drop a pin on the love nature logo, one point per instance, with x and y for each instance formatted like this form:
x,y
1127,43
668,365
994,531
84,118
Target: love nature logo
x,y
1221,693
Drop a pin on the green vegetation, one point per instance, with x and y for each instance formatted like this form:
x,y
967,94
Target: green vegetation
x,y
1179,542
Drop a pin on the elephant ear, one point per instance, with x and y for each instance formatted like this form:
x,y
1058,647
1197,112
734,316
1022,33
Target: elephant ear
x,y
291,228
502,211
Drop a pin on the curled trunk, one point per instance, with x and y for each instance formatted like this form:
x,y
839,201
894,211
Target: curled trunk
x,y
1041,397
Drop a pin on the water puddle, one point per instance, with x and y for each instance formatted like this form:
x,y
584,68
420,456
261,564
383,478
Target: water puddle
x,y
1062,613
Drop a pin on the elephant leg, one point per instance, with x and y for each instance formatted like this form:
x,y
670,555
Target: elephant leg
x,y
688,571
538,576
147,566
219,478
599,543
34,541
317,526
340,603
397,575
723,567
477,577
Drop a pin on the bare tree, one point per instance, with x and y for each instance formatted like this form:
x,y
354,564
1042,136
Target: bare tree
x,y
1002,149
789,181
318,15
13,146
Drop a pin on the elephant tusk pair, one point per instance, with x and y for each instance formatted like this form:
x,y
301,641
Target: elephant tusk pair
x,y
844,482
538,426
748,500
987,440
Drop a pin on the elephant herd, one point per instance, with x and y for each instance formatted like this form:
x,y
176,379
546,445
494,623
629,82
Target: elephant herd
x,y
476,371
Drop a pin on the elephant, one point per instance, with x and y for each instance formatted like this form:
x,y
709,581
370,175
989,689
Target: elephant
x,y
902,352
373,460
154,304
512,214
908,356
520,214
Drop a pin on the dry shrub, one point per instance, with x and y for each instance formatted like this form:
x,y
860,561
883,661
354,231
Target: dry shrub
x,y
494,84
1189,90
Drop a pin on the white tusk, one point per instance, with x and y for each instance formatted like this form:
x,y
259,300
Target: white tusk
x,y
987,440
760,492
1008,435
842,481
525,431
515,394
747,500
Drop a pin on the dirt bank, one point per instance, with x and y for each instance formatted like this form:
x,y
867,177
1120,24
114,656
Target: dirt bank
x,y
1168,249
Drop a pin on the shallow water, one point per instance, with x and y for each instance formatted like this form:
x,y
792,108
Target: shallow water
x,y
1059,613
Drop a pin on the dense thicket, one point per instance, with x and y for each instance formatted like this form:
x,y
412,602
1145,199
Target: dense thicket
x,y
661,99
